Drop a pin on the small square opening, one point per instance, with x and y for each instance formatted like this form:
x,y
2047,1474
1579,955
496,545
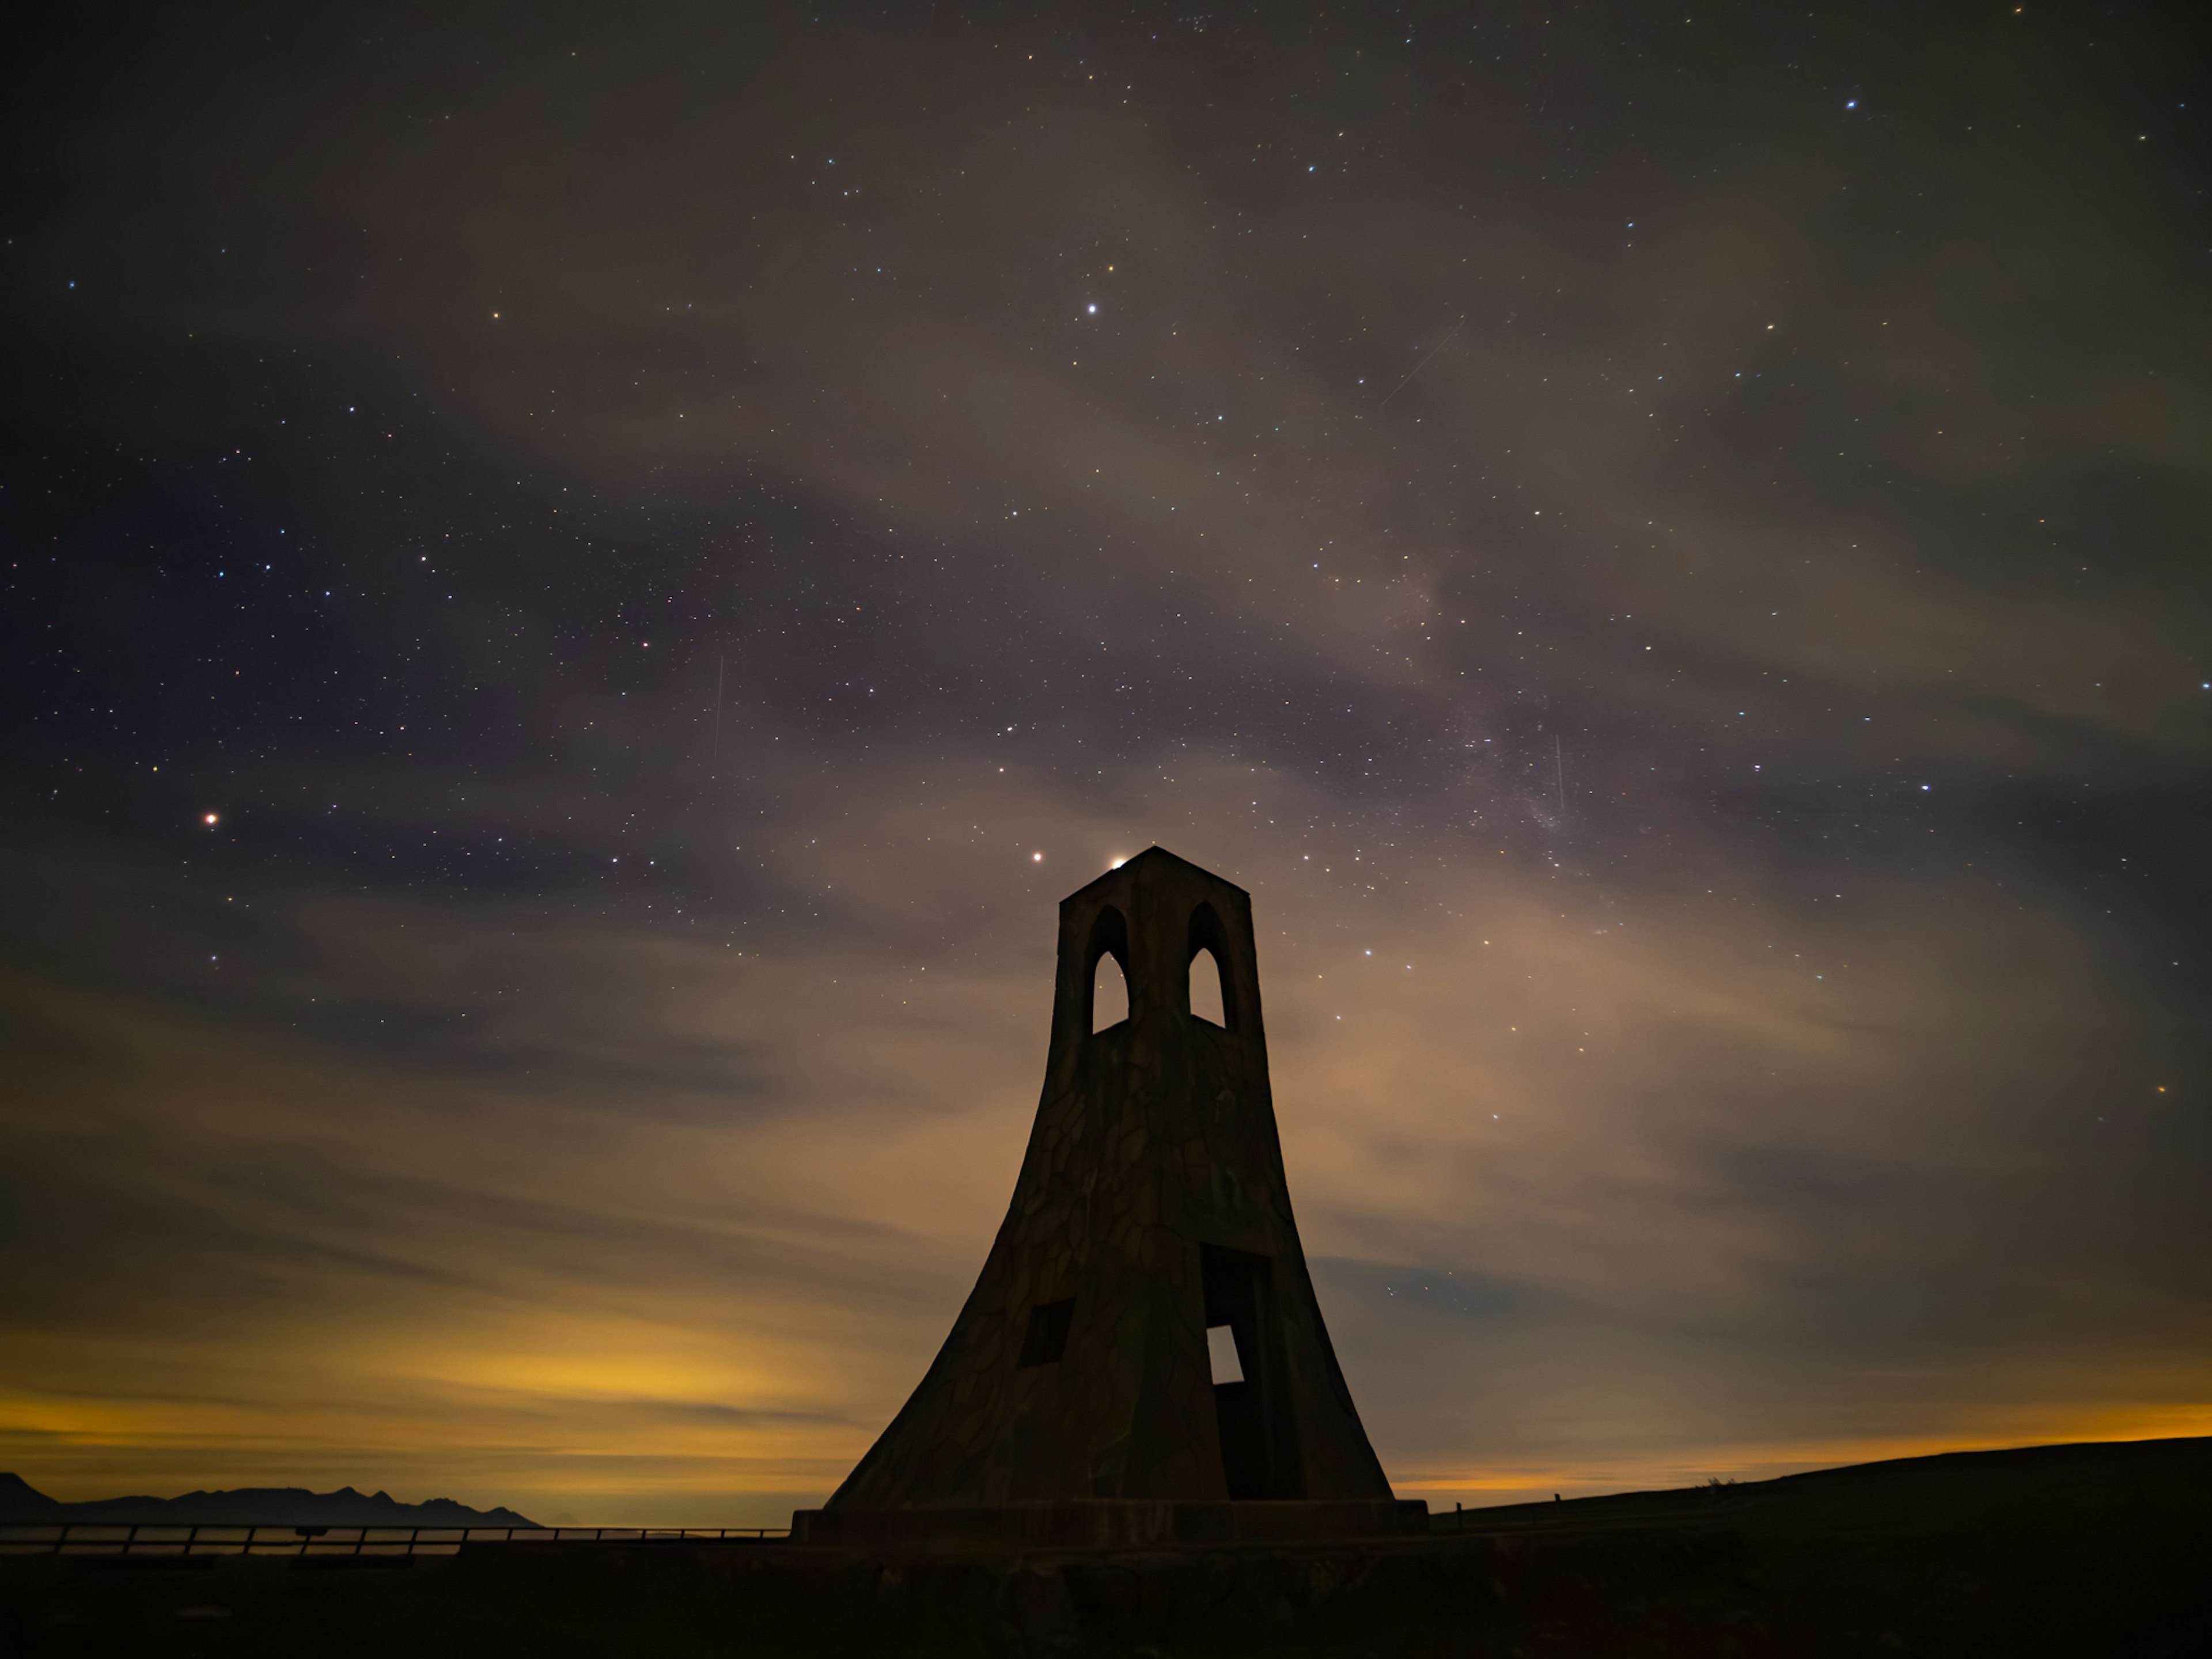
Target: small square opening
x,y
1046,1338
1221,1349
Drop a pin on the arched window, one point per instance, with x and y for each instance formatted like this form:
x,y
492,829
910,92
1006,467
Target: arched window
x,y
1205,988
1105,989
1109,994
1212,992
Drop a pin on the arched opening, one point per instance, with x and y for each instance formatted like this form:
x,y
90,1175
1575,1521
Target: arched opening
x,y
1206,1001
1212,993
1109,994
1105,988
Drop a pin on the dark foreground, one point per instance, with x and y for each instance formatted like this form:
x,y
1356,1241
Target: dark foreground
x,y
2098,1549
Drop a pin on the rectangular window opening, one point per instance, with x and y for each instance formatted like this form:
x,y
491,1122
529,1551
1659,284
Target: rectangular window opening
x,y
1221,1349
1046,1338
1260,1452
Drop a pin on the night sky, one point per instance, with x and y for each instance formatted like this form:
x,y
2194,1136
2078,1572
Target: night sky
x,y
580,582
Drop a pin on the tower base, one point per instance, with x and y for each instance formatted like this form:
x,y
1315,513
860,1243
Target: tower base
x,y
1103,1523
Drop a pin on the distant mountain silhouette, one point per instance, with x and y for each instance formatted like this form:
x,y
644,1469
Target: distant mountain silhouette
x,y
252,1506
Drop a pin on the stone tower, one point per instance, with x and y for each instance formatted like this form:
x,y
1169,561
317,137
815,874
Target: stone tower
x,y
1152,1209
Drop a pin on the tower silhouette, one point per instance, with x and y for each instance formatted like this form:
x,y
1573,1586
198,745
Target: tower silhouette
x,y
1088,1392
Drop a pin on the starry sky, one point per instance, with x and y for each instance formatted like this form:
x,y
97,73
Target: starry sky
x,y
581,580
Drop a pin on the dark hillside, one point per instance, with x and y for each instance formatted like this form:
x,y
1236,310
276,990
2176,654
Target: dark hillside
x,y
2073,1550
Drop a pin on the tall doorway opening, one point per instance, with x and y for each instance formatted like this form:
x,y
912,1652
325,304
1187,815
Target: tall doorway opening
x,y
1251,1398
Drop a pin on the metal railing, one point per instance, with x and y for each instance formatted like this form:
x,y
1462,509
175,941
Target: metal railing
x,y
93,1538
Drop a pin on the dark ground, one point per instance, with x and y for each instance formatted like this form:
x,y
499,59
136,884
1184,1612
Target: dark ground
x,y
2090,1550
